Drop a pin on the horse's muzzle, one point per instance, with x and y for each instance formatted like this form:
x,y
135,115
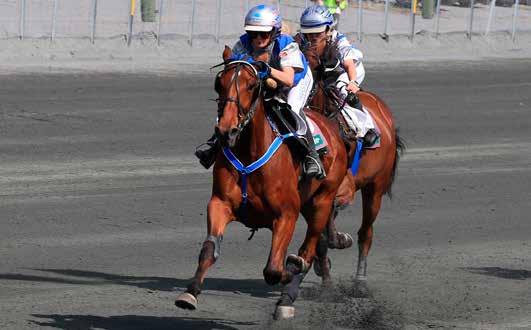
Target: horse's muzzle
x,y
227,138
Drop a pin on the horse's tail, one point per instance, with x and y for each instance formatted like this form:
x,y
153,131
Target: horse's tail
x,y
400,148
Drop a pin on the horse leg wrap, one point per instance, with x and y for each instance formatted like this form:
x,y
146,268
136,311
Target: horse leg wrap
x,y
291,290
361,273
216,240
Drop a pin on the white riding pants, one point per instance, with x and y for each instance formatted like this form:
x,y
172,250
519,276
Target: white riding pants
x,y
358,120
297,97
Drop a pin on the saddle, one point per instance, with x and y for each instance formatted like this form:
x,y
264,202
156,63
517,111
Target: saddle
x,y
279,112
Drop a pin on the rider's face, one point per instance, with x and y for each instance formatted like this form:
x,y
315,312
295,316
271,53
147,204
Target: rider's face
x,y
315,38
259,39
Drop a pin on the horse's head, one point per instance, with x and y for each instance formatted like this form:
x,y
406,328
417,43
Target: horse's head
x,y
238,87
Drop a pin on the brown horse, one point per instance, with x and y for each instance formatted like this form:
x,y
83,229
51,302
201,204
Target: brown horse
x,y
275,196
376,173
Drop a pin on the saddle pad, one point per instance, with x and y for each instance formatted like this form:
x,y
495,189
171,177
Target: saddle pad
x,y
318,136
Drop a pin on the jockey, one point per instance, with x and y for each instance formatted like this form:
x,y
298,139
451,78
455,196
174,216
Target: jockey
x,y
317,27
263,41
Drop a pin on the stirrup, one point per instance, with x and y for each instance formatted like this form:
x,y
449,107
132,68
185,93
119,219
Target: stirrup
x,y
314,169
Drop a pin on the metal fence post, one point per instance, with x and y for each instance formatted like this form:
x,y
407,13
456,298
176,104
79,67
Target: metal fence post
x,y
131,17
161,6
360,20
22,19
54,19
412,21
491,15
218,19
437,19
306,4
94,14
386,20
247,4
471,21
515,17
192,19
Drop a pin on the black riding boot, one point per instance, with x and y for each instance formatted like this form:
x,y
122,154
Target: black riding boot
x,y
312,166
207,152
371,137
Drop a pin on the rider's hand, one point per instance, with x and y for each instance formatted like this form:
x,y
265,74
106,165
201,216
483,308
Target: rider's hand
x,y
264,70
353,87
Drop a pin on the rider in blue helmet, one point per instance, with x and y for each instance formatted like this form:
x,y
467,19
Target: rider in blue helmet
x,y
284,62
318,30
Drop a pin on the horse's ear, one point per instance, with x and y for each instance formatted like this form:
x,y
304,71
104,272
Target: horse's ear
x,y
227,53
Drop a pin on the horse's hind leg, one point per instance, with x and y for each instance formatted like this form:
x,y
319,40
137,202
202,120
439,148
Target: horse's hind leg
x,y
322,263
219,215
337,239
372,200
345,196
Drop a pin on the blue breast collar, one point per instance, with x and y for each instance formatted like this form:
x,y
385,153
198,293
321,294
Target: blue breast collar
x,y
246,170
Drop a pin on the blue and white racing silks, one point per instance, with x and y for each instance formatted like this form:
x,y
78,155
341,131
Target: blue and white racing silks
x,y
285,53
345,49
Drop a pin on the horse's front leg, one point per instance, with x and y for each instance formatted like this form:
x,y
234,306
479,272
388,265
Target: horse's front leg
x,y
283,228
219,215
317,216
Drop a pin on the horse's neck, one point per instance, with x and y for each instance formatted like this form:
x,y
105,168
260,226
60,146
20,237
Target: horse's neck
x,y
257,136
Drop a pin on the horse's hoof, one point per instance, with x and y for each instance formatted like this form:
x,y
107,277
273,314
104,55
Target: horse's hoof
x,y
317,267
299,262
343,241
186,301
361,290
361,278
284,312
327,283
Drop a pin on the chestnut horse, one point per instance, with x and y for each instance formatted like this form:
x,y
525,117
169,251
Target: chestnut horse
x,y
376,172
273,196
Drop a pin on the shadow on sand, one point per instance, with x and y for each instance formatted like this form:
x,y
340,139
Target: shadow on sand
x,y
512,274
253,287
131,322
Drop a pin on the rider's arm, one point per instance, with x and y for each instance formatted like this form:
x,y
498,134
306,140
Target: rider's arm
x,y
350,68
349,58
290,62
285,76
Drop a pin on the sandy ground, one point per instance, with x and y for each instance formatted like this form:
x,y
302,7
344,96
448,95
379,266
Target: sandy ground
x,y
103,207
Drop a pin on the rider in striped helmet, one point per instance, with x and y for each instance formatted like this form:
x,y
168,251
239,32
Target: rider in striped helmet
x,y
317,30
284,62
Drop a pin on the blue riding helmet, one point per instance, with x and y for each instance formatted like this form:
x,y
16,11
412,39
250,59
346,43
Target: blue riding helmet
x,y
263,18
316,19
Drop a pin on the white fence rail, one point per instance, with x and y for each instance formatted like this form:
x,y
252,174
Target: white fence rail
x,y
216,19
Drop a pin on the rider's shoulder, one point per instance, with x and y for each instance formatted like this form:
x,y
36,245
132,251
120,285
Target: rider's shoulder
x,y
338,36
